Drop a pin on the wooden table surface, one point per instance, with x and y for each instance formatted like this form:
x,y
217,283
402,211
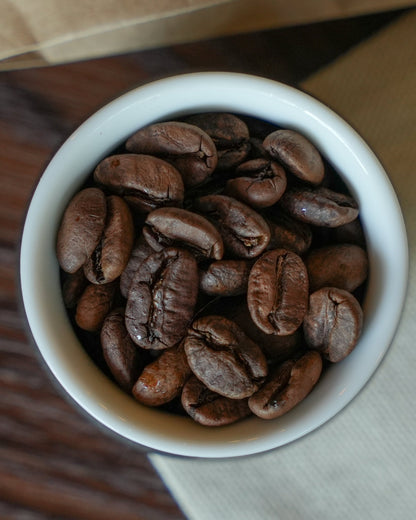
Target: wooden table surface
x,y
54,462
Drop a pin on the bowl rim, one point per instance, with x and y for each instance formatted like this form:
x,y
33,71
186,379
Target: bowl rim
x,y
73,375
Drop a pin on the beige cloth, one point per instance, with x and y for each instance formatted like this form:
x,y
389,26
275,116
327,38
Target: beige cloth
x,y
39,32
360,465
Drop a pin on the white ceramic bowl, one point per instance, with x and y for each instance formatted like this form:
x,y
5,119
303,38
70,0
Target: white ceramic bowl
x,y
163,100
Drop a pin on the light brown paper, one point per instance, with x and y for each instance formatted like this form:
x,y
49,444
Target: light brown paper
x,y
39,32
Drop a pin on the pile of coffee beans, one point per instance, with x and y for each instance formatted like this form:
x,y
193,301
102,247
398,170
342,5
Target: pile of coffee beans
x,y
214,266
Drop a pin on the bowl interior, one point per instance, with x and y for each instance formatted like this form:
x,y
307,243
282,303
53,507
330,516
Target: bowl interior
x,y
163,100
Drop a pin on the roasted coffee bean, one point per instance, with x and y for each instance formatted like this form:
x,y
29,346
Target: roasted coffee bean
x,y
145,182
341,265
163,379
279,348
225,277
319,206
275,348
277,295
94,305
351,233
224,358
333,323
229,133
287,232
287,385
180,227
244,232
259,183
122,356
141,250
81,228
186,146
162,298
112,253
73,286
209,408
297,154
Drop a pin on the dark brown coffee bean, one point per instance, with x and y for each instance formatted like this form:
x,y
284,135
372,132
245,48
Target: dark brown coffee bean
x,y
259,183
333,323
350,233
180,227
297,154
81,228
225,277
111,255
162,298
209,408
141,250
224,358
120,353
279,348
163,379
287,232
341,265
244,232
277,295
72,287
286,386
94,305
144,181
320,206
229,133
275,348
186,146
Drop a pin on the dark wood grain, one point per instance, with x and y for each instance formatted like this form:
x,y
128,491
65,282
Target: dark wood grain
x,y
54,462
